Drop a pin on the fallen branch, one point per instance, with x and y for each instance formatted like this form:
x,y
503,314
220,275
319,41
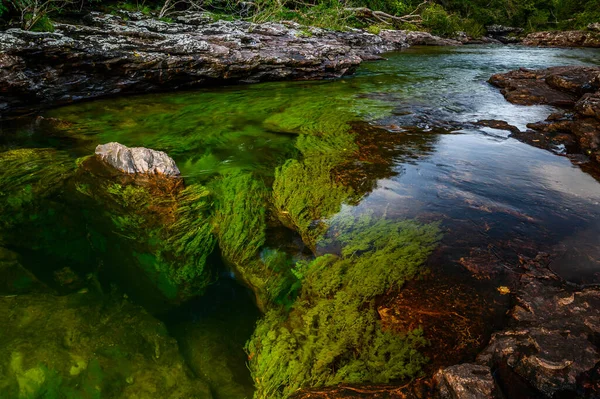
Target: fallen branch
x,y
388,19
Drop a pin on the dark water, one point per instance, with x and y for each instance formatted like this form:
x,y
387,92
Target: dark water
x,y
408,117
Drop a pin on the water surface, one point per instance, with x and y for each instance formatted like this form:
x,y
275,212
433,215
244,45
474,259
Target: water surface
x,y
395,138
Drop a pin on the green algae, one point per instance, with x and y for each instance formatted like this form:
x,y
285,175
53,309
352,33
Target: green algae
x,y
241,228
82,346
305,193
168,229
27,176
332,334
190,238
212,132
241,217
252,159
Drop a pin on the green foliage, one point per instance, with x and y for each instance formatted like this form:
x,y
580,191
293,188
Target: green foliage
x,y
35,14
3,7
332,334
473,28
137,6
394,7
437,20
43,24
374,29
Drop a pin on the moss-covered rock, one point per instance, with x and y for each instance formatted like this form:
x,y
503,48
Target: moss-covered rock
x,y
212,339
79,346
332,333
154,225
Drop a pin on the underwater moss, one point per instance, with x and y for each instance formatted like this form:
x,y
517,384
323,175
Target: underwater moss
x,y
332,333
213,132
305,194
86,346
336,147
241,217
27,176
190,238
325,115
241,228
167,229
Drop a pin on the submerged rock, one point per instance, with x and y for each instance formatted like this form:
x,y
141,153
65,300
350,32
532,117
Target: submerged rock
x,y
550,342
80,345
575,38
559,86
137,159
549,348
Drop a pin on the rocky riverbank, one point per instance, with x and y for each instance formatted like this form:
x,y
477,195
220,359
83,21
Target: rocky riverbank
x,y
576,129
111,55
574,38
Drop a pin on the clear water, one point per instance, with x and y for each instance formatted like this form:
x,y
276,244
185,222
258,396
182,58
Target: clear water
x,y
415,156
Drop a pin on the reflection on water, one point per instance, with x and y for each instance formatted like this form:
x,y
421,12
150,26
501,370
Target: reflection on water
x,y
297,157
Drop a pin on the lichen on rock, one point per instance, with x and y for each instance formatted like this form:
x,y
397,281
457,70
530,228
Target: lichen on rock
x,y
137,159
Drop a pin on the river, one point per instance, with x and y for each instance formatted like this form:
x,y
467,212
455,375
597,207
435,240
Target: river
x,y
396,140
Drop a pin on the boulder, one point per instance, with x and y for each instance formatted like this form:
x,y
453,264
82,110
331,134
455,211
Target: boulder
x,y
573,87
575,38
594,27
465,381
504,34
137,160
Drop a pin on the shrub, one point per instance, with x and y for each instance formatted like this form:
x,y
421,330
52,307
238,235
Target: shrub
x,y
473,28
34,14
439,22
